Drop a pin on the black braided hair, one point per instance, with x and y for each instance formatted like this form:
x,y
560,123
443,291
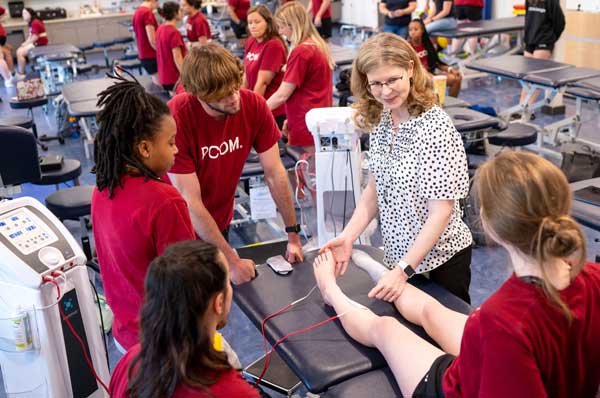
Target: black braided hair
x,y
128,115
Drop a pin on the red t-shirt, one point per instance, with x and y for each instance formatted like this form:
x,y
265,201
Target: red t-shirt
x,y
230,384
196,27
270,56
474,3
37,28
217,150
130,230
142,17
2,31
422,54
241,7
168,38
308,69
519,345
316,5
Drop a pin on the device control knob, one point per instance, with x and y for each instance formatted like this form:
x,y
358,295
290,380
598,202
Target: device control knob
x,y
50,256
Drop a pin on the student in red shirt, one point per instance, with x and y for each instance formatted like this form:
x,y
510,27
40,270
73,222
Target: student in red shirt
x,y
136,214
170,48
6,59
37,37
144,28
420,41
197,27
536,337
264,58
238,12
307,82
321,13
217,125
176,356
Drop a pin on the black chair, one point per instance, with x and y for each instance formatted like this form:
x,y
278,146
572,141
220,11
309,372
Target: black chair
x,y
20,163
15,103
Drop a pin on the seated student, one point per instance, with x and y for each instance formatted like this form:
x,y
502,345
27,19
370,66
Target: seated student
x,y
136,214
264,57
196,26
535,337
6,60
176,356
37,37
420,41
170,48
440,16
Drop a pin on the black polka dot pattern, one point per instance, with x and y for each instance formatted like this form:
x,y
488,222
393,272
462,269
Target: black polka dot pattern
x,y
424,159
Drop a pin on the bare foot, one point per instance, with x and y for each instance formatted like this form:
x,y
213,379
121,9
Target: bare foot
x,y
324,269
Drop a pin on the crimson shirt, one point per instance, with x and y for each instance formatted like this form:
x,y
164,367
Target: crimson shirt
x,y
230,383
270,56
130,230
316,5
37,28
2,31
241,8
168,38
308,69
196,27
519,345
422,54
473,3
142,17
217,150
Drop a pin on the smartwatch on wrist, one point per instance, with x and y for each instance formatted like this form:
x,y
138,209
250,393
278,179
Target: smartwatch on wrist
x,y
293,228
408,269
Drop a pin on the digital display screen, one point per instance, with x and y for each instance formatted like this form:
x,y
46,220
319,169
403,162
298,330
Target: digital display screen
x,y
25,231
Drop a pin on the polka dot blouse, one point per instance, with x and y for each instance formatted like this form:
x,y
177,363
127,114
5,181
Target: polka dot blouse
x,y
424,159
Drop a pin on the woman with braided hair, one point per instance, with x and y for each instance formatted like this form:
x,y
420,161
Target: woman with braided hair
x,y
136,214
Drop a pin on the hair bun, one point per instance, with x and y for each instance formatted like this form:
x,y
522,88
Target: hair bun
x,y
559,237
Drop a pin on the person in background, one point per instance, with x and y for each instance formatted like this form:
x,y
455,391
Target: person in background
x,y
321,13
420,41
308,79
218,124
397,15
467,11
170,48
536,336
196,25
238,12
7,66
135,214
37,37
264,57
440,16
144,28
188,298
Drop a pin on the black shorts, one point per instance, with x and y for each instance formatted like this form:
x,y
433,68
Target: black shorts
x,y
530,48
2,41
240,30
169,87
455,274
430,385
149,65
325,28
471,13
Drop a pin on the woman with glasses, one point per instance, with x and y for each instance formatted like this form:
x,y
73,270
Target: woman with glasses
x,y
418,173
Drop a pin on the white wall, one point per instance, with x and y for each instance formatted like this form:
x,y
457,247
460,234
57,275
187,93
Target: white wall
x,y
503,8
73,6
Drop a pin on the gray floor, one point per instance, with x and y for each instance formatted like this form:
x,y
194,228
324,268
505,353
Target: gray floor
x,y
489,265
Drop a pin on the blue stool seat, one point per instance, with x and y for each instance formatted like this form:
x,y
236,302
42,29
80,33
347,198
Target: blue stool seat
x,y
517,134
71,203
17,120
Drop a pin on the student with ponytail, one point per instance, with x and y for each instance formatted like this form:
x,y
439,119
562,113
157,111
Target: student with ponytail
x,y
535,337
135,214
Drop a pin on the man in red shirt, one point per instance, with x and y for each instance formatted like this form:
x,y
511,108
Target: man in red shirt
x,y
196,26
217,125
321,12
144,28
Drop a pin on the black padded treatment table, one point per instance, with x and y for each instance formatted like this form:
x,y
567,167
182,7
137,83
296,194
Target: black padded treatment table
x,y
586,212
324,356
483,28
53,50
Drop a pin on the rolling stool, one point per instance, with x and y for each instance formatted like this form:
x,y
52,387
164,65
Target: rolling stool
x,y
104,45
74,203
15,103
24,121
70,171
517,134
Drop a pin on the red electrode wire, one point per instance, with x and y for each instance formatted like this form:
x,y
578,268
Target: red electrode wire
x,y
68,322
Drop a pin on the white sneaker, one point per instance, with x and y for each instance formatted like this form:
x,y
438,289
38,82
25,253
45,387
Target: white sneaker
x,y
19,76
8,83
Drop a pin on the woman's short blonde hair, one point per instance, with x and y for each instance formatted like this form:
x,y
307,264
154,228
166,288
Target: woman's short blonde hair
x,y
211,72
388,49
294,15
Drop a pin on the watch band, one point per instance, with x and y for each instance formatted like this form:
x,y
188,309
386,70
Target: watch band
x,y
293,228
408,269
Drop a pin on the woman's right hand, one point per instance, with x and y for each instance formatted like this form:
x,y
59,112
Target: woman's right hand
x,y
341,247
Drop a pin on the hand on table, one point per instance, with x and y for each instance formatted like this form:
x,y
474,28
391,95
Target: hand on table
x,y
293,252
241,271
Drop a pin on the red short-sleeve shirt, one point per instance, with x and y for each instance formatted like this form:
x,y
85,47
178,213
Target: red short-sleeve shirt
x,y
241,7
130,230
2,31
196,27
167,39
142,17
269,56
217,150
316,5
308,69
37,28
